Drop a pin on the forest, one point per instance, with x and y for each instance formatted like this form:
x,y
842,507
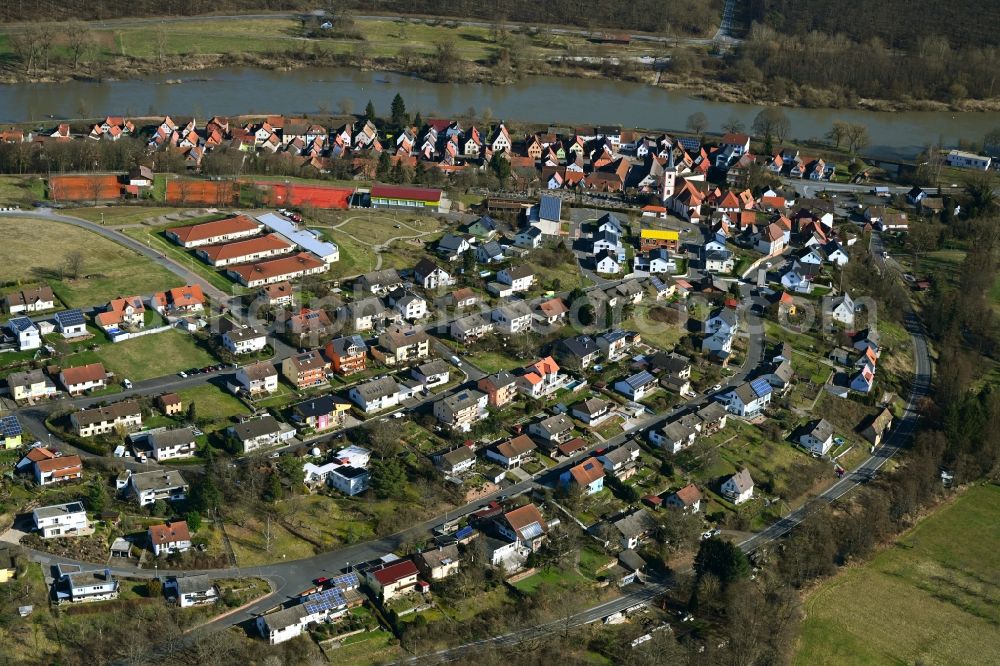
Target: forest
x,y
899,24
836,65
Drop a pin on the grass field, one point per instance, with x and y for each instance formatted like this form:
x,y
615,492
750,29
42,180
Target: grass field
x,y
153,237
154,356
933,598
35,250
381,37
214,405
21,189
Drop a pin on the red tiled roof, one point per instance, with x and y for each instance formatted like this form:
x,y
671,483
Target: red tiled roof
x,y
40,453
572,446
230,225
91,372
187,295
275,267
587,472
553,307
396,572
399,192
62,466
517,446
524,516
270,242
689,494
167,532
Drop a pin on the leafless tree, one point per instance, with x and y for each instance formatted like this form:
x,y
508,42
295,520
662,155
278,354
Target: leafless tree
x,y
697,122
837,133
857,137
772,121
80,41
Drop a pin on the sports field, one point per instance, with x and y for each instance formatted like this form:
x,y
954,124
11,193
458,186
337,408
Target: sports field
x,y
933,598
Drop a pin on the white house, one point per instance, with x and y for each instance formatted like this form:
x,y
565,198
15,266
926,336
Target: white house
x,y
513,317
191,590
261,432
520,278
76,586
964,160
841,309
739,487
70,323
258,378
244,340
148,487
167,538
431,276
375,395
749,398
29,336
60,520
637,386
818,438
607,262
674,437
530,237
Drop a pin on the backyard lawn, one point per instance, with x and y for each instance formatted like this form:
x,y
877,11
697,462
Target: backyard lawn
x,y
932,598
214,406
37,250
154,355
491,361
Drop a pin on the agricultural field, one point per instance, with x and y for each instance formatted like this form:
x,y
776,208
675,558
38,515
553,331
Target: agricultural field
x,y
36,250
931,598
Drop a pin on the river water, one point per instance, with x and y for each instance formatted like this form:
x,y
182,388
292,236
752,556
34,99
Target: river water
x,y
534,99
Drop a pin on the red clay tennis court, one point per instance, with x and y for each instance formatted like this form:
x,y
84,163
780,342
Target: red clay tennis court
x,y
201,192
84,188
316,196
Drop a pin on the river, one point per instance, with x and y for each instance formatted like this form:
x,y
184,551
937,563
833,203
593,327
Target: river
x,y
238,91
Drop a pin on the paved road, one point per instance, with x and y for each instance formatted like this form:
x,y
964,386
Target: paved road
x,y
189,276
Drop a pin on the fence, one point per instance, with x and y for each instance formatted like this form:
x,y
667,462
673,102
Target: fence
x,y
122,336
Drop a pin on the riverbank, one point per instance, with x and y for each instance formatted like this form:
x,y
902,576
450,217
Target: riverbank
x,y
435,50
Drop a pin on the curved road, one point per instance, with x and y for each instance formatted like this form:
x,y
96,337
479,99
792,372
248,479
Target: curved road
x,y
189,276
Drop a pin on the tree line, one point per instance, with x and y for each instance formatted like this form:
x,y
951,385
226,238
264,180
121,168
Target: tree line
x,y
834,69
898,23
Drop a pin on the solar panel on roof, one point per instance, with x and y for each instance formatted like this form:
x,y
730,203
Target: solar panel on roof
x,y
11,426
464,532
531,531
760,386
348,580
70,318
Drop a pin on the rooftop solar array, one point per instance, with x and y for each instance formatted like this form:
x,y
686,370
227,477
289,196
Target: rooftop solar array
x,y
531,531
347,581
70,318
760,386
331,599
10,426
